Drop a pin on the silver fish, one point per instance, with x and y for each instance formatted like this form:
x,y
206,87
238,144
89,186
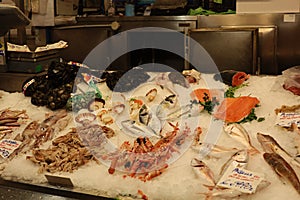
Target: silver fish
x,y
239,133
239,159
213,148
168,103
139,129
203,171
189,110
282,169
270,145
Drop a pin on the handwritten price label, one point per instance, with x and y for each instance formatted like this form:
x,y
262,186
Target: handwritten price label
x,y
7,147
240,179
286,119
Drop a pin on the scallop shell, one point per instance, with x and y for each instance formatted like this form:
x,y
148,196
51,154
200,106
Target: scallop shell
x,y
118,108
85,118
96,104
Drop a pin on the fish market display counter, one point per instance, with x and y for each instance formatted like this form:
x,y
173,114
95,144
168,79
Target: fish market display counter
x,y
162,139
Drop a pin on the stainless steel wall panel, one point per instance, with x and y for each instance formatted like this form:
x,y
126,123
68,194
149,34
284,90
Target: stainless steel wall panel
x,y
81,40
230,48
287,44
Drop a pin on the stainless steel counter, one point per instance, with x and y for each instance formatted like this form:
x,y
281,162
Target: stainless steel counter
x,y
100,18
18,191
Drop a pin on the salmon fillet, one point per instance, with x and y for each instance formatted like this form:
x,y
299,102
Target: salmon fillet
x,y
235,109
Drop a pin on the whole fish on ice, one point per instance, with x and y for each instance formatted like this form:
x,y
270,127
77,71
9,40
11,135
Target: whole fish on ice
x,y
270,145
282,169
239,159
239,133
203,171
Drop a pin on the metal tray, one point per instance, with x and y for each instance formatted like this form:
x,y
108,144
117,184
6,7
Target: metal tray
x,y
19,55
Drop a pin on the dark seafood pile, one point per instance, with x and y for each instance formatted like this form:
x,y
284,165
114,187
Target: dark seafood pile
x,y
125,81
52,89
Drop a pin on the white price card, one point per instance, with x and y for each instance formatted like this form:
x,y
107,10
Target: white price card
x,y
289,18
286,119
8,146
240,179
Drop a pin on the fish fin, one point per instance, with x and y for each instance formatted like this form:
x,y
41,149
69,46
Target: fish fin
x,y
209,187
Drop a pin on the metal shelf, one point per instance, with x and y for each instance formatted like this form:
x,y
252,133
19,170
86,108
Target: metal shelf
x,y
11,17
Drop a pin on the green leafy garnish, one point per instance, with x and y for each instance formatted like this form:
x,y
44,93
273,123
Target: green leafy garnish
x,y
252,116
231,90
209,104
261,119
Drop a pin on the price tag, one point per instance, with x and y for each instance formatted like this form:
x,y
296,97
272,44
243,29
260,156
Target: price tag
x,y
59,181
7,147
286,119
240,179
289,18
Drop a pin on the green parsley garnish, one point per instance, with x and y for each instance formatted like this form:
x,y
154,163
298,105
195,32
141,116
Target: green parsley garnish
x,y
209,104
231,90
252,116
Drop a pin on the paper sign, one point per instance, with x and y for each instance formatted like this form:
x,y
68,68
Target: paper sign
x,y
289,18
59,181
7,147
240,179
286,119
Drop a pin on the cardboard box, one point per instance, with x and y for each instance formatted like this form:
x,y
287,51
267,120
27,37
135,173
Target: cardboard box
x,y
267,6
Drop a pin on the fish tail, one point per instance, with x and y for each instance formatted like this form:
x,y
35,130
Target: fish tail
x,y
253,150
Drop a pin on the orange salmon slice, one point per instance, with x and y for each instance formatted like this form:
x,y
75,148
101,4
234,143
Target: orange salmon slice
x,y
235,109
199,94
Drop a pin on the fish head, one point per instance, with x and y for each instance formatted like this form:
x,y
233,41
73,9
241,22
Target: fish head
x,y
262,138
269,157
228,128
241,156
171,100
197,163
267,142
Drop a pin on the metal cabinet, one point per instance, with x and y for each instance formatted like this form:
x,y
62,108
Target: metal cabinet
x,y
91,31
230,48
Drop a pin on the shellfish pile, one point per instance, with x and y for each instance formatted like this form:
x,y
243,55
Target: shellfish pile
x,y
66,154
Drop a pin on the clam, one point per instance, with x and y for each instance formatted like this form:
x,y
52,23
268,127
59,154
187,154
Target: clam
x,y
105,117
151,94
96,104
